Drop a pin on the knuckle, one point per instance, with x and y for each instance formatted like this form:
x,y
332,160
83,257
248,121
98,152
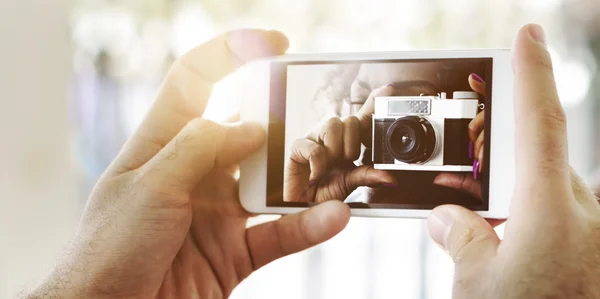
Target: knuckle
x,y
352,121
465,239
351,153
198,131
165,194
300,142
203,126
550,165
304,233
459,242
534,60
352,125
317,152
334,123
553,116
542,62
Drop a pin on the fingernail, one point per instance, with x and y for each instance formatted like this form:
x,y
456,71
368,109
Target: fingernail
x,y
247,44
470,149
389,185
390,85
439,224
537,33
475,169
312,183
476,77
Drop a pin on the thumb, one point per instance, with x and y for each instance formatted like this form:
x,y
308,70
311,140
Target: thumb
x,y
296,232
459,181
365,114
542,162
466,236
198,148
368,176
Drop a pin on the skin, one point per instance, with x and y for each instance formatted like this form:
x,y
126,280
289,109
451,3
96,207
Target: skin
x,y
465,181
165,220
320,166
550,247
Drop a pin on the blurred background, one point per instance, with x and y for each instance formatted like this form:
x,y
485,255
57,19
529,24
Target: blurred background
x,y
77,76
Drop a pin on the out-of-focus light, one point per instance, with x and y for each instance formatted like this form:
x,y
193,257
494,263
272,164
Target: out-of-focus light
x,y
151,50
457,7
540,5
363,12
225,99
500,230
572,82
572,77
111,29
191,26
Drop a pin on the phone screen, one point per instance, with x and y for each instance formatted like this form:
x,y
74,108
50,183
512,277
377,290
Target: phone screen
x,y
386,134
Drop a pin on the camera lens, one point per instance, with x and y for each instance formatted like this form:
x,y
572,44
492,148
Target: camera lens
x,y
411,139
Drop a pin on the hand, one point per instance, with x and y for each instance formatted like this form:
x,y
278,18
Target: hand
x,y
476,127
466,181
550,247
321,166
165,220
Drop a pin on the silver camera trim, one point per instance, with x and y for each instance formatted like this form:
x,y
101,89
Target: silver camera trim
x,y
425,99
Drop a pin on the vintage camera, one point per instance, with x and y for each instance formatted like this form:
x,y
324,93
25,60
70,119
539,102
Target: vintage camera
x,y
427,133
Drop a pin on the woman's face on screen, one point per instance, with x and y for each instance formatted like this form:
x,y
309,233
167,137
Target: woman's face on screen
x,y
409,79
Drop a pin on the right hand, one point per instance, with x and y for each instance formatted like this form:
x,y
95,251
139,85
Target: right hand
x,y
321,166
551,247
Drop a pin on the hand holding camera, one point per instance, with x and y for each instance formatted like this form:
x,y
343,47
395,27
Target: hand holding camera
x,y
423,133
321,166
466,181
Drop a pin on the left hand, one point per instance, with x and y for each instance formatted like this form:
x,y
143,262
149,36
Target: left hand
x,y
469,182
165,219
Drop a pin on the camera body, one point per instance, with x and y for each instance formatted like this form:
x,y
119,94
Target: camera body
x,y
425,133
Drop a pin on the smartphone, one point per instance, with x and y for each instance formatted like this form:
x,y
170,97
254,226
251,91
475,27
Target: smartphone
x,y
388,133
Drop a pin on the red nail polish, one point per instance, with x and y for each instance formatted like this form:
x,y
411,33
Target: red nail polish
x,y
476,77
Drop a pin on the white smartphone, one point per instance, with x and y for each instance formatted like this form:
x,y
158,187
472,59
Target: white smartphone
x,y
409,152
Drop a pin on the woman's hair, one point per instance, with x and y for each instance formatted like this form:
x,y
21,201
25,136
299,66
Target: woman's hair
x,y
454,74
333,96
330,97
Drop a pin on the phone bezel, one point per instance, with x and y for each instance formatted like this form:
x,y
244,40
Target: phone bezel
x,y
255,107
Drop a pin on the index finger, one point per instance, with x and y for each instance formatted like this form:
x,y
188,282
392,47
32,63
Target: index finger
x,y
541,137
185,92
365,114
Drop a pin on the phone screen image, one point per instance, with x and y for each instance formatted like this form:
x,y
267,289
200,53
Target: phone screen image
x,y
385,134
